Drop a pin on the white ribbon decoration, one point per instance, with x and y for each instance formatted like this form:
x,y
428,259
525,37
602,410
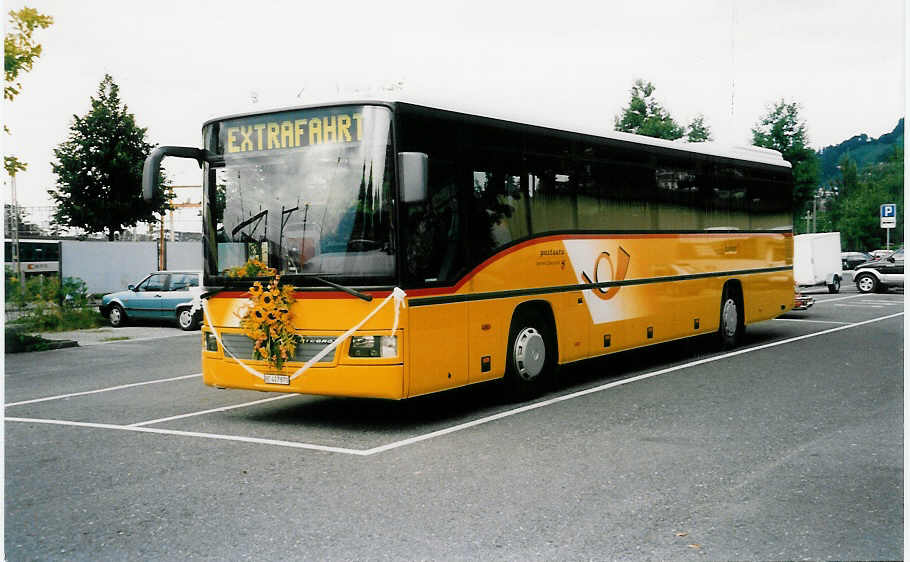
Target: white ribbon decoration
x,y
397,295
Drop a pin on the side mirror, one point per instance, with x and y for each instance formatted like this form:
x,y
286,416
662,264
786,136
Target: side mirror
x,y
413,169
891,259
152,167
131,287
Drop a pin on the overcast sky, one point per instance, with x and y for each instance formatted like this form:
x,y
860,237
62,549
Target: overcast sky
x,y
565,63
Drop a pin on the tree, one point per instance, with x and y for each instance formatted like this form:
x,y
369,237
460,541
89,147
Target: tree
x,y
856,212
698,131
19,54
99,169
645,115
783,130
849,175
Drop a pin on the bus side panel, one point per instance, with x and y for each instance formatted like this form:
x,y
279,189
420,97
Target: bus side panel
x,y
764,298
438,346
488,334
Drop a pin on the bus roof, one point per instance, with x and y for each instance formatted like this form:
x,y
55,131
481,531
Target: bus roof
x,y
747,153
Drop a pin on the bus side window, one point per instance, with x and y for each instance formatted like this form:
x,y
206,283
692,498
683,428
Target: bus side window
x,y
434,246
498,213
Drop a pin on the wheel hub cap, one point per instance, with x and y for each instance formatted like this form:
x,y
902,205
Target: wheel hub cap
x,y
530,353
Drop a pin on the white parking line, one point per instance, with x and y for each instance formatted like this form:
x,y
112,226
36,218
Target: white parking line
x,y
808,320
128,339
455,428
222,409
824,301
292,444
108,389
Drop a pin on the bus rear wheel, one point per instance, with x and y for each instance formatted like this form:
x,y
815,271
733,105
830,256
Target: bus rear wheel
x,y
731,326
531,356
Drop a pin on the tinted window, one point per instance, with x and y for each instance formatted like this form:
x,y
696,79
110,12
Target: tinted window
x,y
435,252
156,282
183,281
552,189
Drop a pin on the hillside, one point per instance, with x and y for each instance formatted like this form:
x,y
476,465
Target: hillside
x,y
862,150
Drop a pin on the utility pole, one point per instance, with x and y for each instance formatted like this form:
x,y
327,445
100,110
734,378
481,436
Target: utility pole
x,y
14,227
162,251
162,247
814,212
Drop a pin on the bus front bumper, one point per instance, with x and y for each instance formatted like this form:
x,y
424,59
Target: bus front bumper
x,y
364,381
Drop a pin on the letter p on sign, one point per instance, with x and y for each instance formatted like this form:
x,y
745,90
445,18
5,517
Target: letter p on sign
x,y
888,215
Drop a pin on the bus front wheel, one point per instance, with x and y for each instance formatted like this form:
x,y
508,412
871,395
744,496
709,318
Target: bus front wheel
x,y
731,320
531,355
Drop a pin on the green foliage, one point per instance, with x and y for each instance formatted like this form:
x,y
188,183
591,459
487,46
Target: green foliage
x,y
19,54
783,130
19,47
862,149
645,116
48,305
849,175
855,212
698,130
99,169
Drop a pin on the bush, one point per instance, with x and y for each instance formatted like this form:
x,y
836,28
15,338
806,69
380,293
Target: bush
x,y
48,305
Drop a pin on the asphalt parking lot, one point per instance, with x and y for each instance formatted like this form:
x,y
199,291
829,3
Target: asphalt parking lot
x,y
788,447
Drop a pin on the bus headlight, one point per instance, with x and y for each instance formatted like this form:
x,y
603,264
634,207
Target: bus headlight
x,y
211,344
374,346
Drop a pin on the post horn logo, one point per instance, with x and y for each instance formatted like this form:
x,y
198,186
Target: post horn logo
x,y
617,273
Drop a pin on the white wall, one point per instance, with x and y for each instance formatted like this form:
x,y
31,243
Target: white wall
x,y
108,266
111,266
184,255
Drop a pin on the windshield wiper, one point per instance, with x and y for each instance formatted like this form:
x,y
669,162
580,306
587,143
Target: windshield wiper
x,y
347,290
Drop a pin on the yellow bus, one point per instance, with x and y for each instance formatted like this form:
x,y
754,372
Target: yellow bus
x,y
431,249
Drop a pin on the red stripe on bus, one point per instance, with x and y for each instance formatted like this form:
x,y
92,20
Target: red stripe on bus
x,y
451,289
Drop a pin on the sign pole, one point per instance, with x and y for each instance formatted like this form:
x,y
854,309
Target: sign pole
x,y
888,220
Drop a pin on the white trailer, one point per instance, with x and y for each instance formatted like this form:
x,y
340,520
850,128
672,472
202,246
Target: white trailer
x,y
816,260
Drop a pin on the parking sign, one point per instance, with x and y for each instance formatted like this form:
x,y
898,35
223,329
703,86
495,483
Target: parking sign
x,y
888,215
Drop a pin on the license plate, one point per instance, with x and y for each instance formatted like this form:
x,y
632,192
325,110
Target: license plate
x,y
277,379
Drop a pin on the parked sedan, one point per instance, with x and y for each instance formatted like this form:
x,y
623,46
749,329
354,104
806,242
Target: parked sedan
x,y
850,260
880,274
167,295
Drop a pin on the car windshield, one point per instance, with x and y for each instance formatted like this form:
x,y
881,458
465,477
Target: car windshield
x,y
306,192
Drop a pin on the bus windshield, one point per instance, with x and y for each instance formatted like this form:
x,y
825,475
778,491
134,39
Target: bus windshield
x,y
308,192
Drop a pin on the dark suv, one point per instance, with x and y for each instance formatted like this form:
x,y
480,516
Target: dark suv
x,y
880,274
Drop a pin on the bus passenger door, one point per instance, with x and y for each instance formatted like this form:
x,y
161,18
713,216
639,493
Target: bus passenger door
x,y
434,261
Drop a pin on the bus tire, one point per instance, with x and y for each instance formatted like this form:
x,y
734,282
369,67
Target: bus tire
x,y
530,357
732,326
116,317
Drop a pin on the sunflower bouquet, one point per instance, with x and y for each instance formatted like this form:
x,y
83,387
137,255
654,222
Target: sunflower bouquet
x,y
267,321
252,268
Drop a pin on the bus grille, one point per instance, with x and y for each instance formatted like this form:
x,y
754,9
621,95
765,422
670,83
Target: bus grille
x,y
242,346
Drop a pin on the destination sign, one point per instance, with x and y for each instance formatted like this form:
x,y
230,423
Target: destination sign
x,y
296,129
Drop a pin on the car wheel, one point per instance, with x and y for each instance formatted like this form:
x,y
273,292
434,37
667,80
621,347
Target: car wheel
x,y
531,355
731,326
116,317
834,286
186,319
866,283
